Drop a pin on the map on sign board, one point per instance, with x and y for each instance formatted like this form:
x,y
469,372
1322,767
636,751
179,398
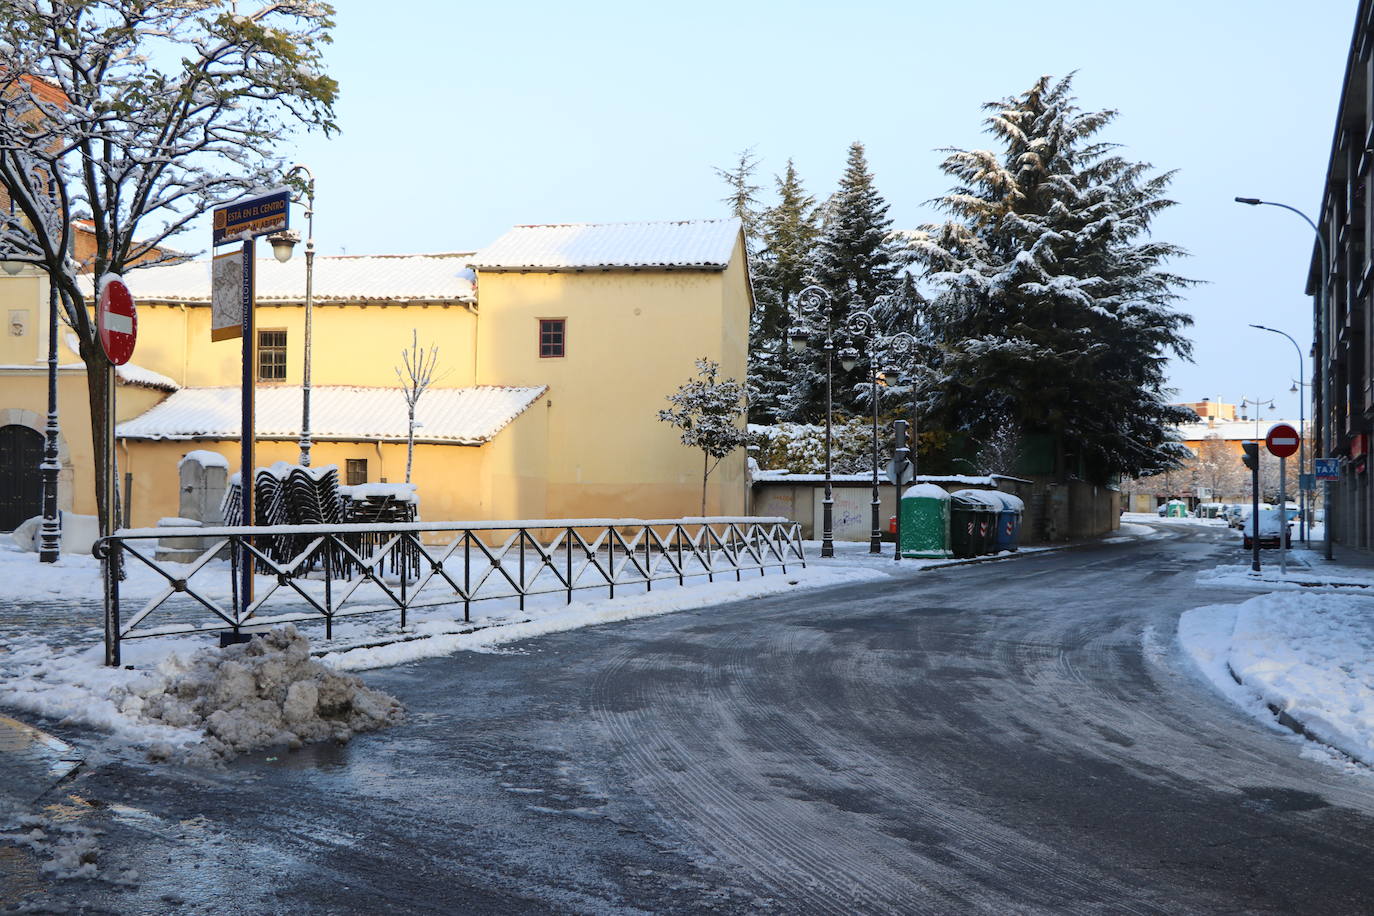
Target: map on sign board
x,y
226,296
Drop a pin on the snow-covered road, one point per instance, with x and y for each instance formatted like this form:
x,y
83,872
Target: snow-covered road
x,y
1025,736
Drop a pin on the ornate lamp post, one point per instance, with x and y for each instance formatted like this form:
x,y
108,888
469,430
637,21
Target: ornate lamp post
x,y
282,244
813,314
1323,350
863,324
50,530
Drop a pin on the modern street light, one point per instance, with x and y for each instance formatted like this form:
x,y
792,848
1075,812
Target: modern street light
x,y
1257,405
282,244
1302,432
1324,307
813,313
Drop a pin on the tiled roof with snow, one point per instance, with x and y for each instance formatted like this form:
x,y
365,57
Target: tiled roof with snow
x,y
1229,430
407,278
704,244
461,416
131,373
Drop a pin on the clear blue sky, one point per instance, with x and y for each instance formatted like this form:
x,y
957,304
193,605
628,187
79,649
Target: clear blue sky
x,y
461,119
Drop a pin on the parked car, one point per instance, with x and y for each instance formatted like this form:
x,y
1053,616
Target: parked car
x,y
1269,529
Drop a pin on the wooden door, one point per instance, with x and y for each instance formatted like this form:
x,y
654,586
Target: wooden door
x,y
21,481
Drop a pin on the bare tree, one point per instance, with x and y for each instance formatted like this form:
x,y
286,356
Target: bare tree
x,y
419,365
136,117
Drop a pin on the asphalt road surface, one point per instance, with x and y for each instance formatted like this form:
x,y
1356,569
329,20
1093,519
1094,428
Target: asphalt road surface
x,y
1016,737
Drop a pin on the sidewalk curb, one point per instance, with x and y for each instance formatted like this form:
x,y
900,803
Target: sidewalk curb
x,y
1012,555
1284,719
32,761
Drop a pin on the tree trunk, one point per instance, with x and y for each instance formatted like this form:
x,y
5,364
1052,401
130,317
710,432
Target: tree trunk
x,y
96,381
705,473
410,440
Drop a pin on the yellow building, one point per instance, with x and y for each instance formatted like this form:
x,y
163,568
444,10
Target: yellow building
x,y
554,358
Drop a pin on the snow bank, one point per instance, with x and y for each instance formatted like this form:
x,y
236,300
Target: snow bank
x,y
1307,654
265,692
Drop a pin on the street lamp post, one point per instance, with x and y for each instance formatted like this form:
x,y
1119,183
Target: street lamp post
x,y
863,324
50,529
1302,433
1324,308
813,308
282,244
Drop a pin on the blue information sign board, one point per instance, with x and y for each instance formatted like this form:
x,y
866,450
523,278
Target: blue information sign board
x,y
246,219
1328,468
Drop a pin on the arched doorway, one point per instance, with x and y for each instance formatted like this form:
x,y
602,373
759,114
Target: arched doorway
x,y
21,481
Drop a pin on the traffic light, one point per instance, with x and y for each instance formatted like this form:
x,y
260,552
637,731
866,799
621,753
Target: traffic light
x,y
1251,456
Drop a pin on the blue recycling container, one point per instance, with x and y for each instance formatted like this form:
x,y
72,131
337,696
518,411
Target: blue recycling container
x,y
1008,536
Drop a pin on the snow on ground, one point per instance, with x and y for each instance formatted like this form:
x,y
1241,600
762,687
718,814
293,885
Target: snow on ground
x,y
1304,647
1309,655
51,650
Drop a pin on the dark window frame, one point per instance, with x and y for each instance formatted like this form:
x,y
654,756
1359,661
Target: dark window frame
x,y
275,350
553,338
353,467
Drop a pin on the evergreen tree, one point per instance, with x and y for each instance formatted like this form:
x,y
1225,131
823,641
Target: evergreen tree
x,y
743,197
787,240
856,257
856,263
1054,307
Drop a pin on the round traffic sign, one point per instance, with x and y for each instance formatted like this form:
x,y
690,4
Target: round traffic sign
x,y
115,319
1282,440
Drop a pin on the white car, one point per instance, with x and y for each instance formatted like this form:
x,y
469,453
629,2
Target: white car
x,y
1269,528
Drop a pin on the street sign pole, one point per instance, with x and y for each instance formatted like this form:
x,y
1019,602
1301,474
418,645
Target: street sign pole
x,y
243,221
1283,517
248,434
1254,515
899,460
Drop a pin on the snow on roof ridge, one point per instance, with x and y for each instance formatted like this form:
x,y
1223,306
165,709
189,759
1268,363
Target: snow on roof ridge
x,y
469,415
631,222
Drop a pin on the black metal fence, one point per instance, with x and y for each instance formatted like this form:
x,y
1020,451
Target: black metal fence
x,y
325,572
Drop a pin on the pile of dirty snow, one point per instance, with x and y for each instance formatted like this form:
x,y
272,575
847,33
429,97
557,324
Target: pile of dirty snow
x,y
262,693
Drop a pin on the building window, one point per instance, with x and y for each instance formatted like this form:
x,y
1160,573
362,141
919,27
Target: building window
x,y
553,336
355,471
272,355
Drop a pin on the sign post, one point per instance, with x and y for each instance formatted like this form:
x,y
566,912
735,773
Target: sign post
x,y
243,221
901,472
1283,442
116,324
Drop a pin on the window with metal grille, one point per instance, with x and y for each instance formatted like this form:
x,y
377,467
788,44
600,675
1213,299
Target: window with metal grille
x,y
355,471
272,355
552,337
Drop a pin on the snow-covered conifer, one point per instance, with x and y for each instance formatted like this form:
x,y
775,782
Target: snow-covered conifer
x,y
1053,306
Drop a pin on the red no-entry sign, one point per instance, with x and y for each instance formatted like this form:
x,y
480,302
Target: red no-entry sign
x,y
116,320
1282,440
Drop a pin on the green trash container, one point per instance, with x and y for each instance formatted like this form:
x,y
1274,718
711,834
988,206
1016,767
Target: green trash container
x,y
1177,509
925,522
973,522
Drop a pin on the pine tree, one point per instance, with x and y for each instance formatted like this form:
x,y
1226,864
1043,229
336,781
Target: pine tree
x,y
1054,307
743,197
856,263
788,232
